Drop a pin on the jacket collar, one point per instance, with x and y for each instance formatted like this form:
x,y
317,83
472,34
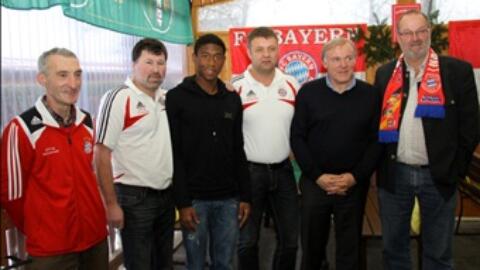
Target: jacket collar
x,y
49,120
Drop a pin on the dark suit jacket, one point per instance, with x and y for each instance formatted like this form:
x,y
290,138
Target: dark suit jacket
x,y
450,141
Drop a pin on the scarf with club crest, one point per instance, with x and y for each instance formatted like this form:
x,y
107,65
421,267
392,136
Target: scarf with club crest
x,y
430,102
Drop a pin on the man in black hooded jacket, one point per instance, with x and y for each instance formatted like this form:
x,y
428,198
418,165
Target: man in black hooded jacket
x,y
211,182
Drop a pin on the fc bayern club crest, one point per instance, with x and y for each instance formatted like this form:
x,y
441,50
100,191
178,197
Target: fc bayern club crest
x,y
432,83
87,146
300,65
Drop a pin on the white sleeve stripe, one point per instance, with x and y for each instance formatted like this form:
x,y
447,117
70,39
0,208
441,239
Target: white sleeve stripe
x,y
9,162
13,167
18,167
105,115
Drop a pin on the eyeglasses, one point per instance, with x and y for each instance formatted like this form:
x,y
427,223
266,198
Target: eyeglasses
x,y
421,33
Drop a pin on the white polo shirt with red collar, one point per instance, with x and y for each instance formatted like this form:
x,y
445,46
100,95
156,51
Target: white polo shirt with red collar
x,y
267,114
135,127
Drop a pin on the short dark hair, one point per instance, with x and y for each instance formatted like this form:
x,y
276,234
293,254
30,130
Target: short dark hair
x,y
208,39
264,32
151,45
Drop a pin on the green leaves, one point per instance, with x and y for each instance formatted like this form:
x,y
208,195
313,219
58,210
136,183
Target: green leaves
x,y
379,49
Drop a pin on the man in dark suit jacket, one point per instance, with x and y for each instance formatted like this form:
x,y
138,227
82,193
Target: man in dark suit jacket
x,y
429,129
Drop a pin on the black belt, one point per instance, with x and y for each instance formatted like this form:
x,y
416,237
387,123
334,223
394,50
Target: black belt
x,y
270,166
146,190
417,166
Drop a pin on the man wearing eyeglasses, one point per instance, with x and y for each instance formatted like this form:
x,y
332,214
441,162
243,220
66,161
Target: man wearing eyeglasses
x,y
334,139
428,129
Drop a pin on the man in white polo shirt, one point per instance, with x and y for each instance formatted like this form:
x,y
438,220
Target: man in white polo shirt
x,y
134,161
268,99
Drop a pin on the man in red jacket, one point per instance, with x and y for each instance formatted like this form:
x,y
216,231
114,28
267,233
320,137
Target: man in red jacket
x,y
48,186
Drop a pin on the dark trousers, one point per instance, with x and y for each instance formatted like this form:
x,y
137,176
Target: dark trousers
x,y
147,236
274,188
317,209
95,257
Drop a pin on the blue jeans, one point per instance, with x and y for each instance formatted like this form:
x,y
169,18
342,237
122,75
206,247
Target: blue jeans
x,y
218,228
437,219
276,189
147,236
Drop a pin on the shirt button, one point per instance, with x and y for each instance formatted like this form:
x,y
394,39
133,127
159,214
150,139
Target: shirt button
x,y
452,102
392,157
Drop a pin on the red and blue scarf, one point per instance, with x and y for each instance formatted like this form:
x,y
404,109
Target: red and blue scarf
x,y
430,102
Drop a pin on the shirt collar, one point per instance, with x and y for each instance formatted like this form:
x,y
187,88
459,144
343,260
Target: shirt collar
x,y
159,94
411,70
349,87
249,76
60,121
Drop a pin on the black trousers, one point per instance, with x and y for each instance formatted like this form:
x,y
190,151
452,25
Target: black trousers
x,y
317,209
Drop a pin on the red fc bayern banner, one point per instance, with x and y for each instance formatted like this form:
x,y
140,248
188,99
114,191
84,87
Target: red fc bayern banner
x,y
300,48
464,37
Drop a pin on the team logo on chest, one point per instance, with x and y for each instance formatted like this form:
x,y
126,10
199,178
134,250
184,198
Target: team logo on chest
x,y
141,107
35,121
228,115
130,119
251,96
282,92
87,146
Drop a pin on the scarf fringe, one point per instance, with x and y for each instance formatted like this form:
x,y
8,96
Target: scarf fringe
x,y
430,111
388,136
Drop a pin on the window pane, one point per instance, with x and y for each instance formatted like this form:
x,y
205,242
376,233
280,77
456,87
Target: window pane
x,y
243,13
105,57
451,10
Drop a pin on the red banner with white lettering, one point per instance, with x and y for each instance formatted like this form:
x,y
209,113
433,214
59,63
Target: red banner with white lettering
x,y
464,37
300,48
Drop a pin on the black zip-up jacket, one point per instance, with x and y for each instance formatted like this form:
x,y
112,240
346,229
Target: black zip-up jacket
x,y
207,139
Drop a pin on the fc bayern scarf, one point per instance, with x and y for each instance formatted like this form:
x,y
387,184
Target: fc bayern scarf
x,y
430,102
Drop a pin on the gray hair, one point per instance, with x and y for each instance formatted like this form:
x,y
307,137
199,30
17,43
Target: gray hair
x,y
42,60
412,12
333,43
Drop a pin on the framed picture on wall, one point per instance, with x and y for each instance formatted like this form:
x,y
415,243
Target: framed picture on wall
x,y
397,10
